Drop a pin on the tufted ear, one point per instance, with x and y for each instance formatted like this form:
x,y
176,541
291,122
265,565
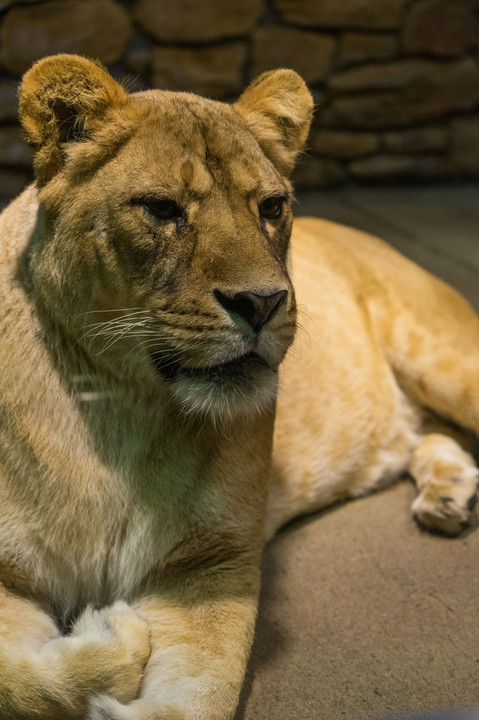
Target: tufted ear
x,y
63,98
278,108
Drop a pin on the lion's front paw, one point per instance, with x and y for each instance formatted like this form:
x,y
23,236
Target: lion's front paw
x,y
125,637
103,707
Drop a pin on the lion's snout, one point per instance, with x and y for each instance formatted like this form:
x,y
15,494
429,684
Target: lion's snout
x,y
256,307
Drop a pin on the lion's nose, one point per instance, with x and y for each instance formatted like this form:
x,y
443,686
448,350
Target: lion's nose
x,y
257,308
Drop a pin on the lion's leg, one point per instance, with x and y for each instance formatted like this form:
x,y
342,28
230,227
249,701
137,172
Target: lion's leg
x,y
444,379
44,675
201,631
23,624
447,479
430,337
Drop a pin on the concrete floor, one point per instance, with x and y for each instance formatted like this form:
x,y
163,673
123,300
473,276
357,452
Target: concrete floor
x,y
362,614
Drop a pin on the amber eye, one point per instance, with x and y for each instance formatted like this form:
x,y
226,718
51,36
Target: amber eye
x,y
271,208
160,207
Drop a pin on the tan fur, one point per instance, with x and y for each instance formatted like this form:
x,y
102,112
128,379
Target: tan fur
x,y
137,404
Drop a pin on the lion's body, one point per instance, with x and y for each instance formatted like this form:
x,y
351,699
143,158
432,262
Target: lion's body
x,y
145,306
124,496
376,337
343,425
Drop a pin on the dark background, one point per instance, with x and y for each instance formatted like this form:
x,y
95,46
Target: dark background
x,y
396,82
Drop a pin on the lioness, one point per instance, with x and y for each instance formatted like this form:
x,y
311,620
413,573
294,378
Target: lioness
x,y
146,306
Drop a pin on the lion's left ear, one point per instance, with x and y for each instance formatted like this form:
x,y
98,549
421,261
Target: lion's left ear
x,y
278,108
62,98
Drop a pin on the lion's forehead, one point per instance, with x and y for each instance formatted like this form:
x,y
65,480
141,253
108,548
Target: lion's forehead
x,y
199,143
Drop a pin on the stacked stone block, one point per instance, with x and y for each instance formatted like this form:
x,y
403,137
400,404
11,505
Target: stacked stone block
x,y
396,82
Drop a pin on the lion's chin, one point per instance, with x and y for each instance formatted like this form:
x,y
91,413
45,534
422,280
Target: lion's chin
x,y
242,386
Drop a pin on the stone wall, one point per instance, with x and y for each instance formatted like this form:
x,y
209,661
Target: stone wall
x,y
396,82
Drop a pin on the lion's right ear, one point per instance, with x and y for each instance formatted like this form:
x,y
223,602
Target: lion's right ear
x,y
63,98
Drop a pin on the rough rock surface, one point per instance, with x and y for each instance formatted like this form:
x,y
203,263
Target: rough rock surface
x,y
12,181
357,47
398,168
401,74
342,144
310,54
441,27
8,100
357,14
183,21
389,78
9,3
215,71
420,139
402,93
96,28
14,151
314,172
464,152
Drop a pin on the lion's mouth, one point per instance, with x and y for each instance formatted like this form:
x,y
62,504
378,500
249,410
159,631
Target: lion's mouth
x,y
245,385
172,369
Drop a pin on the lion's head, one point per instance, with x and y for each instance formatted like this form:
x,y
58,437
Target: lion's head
x,y
164,227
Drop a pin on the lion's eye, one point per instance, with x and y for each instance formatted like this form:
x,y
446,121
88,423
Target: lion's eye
x,y
161,208
271,208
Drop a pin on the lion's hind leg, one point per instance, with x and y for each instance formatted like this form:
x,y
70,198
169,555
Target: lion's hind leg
x,y
447,480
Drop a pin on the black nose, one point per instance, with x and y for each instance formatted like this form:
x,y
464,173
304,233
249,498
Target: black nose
x,y
254,307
